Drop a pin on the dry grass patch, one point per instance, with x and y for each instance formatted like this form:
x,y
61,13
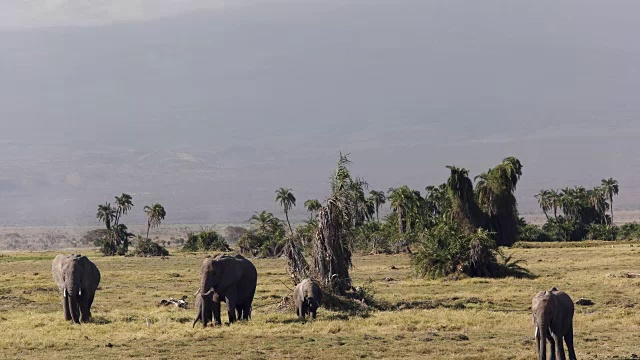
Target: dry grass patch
x,y
439,319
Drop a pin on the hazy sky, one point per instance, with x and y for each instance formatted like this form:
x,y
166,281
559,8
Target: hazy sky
x,y
208,107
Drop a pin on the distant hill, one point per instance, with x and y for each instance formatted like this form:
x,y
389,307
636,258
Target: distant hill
x,y
209,112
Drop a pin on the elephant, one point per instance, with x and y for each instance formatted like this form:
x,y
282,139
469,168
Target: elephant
x,y
77,278
553,321
231,279
307,296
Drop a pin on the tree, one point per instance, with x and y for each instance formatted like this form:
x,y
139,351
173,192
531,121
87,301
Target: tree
x,y
610,188
464,208
265,221
495,195
312,206
554,199
106,214
155,214
544,201
124,203
332,243
287,201
378,198
398,202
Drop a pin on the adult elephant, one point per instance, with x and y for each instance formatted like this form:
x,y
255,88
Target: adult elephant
x,y
553,320
231,279
77,278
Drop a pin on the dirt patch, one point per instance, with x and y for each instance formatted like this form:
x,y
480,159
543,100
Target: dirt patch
x,y
11,302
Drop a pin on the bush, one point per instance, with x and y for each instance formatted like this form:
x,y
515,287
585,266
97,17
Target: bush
x,y
372,238
205,240
108,247
446,249
529,232
256,243
564,229
629,231
146,247
602,232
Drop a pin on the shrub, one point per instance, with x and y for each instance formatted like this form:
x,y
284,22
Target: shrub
x,y
256,243
446,249
147,247
564,229
205,240
601,232
629,231
529,232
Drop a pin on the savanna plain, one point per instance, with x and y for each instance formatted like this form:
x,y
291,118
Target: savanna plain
x,y
469,318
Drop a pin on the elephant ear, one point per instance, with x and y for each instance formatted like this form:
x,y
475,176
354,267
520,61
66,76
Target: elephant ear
x,y
231,271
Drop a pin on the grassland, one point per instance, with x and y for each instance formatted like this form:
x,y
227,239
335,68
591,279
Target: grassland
x,y
436,319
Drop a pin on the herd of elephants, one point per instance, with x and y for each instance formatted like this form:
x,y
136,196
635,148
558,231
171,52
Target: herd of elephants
x,y
233,279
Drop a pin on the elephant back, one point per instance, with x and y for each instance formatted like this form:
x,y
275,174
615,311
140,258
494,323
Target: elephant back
x,y
92,274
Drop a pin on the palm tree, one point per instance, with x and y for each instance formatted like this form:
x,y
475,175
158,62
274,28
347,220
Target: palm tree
x,y
264,221
356,191
544,200
312,205
287,201
609,188
598,200
464,208
124,204
106,214
495,194
378,198
554,199
403,202
155,214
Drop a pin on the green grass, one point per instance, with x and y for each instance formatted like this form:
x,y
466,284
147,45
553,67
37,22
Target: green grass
x,y
437,319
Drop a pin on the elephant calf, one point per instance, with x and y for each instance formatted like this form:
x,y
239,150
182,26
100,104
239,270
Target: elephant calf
x,y
77,278
553,321
307,296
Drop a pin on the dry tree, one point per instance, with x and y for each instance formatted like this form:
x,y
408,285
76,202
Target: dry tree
x,y
297,265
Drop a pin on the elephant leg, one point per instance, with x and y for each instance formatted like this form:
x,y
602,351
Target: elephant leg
x,y
216,313
231,310
245,308
85,315
313,314
232,300
65,308
559,350
552,347
568,338
304,310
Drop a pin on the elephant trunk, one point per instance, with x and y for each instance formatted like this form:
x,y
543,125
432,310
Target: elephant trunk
x,y
542,332
72,292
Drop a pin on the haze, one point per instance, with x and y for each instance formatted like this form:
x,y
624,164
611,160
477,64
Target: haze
x,y
208,107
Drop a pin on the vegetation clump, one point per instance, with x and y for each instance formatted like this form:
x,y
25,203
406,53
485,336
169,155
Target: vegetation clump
x,y
205,240
115,240
266,238
447,250
147,247
578,213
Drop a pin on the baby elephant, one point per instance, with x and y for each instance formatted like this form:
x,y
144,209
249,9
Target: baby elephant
x,y
553,321
307,297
